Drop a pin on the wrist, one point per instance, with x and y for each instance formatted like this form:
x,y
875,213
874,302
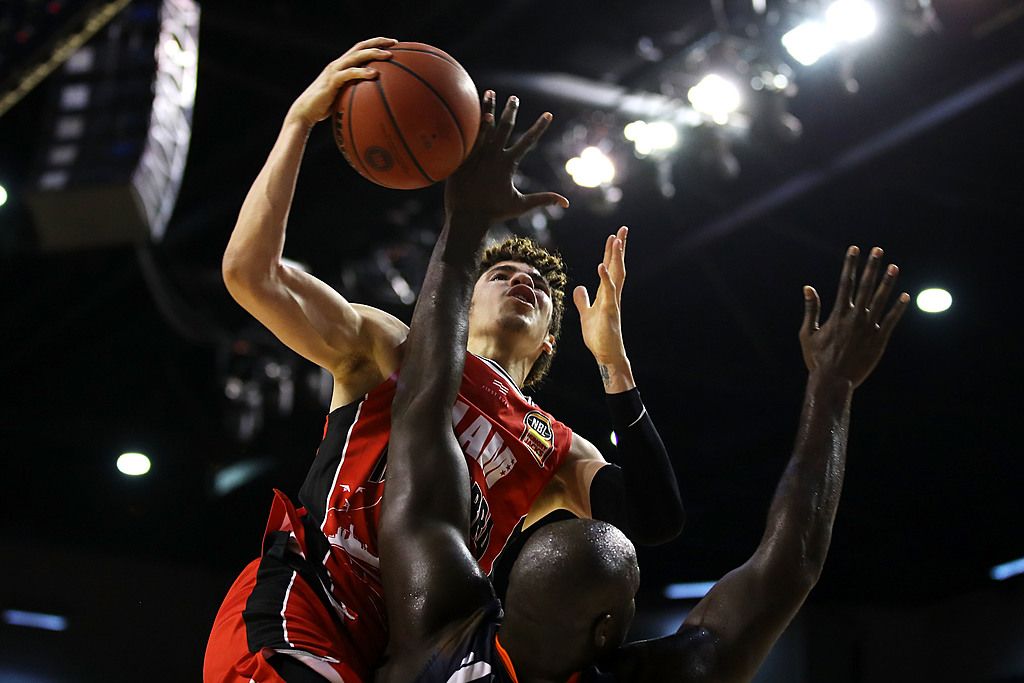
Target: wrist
x,y
616,374
468,222
462,239
829,384
295,120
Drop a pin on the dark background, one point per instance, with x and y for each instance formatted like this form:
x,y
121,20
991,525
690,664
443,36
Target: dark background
x,y
120,348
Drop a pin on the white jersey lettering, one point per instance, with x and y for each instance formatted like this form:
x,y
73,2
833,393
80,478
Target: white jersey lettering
x,y
472,440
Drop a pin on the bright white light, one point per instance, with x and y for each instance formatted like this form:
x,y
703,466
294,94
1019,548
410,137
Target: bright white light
x,y
591,168
715,96
133,464
3,195
47,622
614,439
780,81
850,20
1004,571
651,137
808,42
934,300
683,591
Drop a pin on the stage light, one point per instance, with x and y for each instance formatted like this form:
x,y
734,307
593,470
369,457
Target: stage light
x,y
69,127
614,439
808,42
591,168
685,591
3,195
40,620
133,464
715,96
656,136
850,20
934,300
1004,571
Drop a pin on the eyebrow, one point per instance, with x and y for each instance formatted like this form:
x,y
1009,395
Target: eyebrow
x,y
512,269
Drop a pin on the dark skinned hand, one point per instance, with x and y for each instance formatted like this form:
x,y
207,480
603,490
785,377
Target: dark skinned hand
x,y
482,188
853,339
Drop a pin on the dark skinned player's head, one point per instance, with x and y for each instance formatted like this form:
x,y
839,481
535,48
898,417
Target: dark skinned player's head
x,y
572,590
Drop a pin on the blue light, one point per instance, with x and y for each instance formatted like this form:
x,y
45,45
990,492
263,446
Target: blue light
x,y
684,591
46,622
1005,571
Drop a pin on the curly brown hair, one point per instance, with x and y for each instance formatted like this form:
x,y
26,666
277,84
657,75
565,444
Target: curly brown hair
x,y
552,268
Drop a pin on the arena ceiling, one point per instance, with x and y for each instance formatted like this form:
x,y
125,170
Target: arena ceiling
x,y
114,349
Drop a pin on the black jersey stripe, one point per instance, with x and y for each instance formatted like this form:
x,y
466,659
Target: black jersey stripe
x,y
322,477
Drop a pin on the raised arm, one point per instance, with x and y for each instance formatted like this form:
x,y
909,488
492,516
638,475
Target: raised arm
x,y
308,316
639,493
431,579
730,632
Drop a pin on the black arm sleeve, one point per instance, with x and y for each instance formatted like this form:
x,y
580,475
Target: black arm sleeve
x,y
640,496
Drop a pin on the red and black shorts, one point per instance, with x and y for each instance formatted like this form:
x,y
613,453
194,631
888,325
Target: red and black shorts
x,y
273,616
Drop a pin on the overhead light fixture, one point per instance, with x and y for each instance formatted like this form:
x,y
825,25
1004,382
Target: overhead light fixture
x,y
133,464
715,96
592,168
1004,571
934,300
808,42
657,136
850,20
688,591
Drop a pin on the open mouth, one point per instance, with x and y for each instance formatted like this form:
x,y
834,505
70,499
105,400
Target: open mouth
x,y
523,293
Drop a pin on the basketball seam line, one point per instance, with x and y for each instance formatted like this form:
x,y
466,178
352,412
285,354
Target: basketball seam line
x,y
352,136
398,131
450,60
458,127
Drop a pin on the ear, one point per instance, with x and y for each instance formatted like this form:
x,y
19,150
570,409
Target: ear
x,y
603,631
548,346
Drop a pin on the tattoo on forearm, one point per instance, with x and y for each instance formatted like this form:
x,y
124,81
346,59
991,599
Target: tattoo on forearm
x,y
605,375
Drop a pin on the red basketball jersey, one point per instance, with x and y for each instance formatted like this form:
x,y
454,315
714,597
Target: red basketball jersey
x,y
512,448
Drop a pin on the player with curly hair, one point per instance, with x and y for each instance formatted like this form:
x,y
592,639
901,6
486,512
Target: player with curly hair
x,y
315,593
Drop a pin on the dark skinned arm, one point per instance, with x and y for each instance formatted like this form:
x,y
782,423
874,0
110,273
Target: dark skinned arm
x,y
729,633
430,578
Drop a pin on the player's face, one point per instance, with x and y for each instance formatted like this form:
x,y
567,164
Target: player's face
x,y
512,297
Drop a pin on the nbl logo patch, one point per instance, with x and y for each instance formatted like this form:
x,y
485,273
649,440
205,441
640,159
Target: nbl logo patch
x,y
538,436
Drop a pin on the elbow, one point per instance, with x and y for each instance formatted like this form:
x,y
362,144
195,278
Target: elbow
x,y
234,269
242,275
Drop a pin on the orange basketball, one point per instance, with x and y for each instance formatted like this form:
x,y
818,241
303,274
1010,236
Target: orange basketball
x,y
414,124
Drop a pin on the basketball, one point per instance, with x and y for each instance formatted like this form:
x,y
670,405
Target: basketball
x,y
414,124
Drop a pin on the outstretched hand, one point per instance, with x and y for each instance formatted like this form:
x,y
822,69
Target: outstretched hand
x,y
601,321
482,187
318,101
853,339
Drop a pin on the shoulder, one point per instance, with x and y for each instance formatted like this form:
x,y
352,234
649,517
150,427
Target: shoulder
x,y
582,450
382,337
383,330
